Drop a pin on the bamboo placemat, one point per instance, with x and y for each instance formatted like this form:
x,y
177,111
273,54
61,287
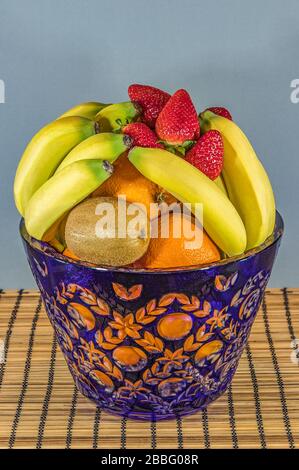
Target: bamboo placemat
x,y
40,408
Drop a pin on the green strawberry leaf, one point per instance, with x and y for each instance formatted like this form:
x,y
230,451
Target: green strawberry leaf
x,y
178,149
188,144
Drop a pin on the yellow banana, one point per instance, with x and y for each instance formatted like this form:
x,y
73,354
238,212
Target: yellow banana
x,y
88,110
221,185
115,116
221,220
245,178
62,192
45,152
104,146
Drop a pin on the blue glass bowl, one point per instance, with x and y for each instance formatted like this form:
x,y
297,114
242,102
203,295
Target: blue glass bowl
x,y
152,344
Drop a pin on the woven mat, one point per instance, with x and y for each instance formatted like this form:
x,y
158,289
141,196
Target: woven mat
x,y
40,408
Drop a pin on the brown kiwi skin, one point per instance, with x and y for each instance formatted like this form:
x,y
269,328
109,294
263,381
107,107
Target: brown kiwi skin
x,y
81,238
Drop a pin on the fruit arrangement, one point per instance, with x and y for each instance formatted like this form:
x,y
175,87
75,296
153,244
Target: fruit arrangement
x,y
154,148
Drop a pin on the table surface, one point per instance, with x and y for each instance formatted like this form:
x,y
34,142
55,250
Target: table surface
x,y
40,407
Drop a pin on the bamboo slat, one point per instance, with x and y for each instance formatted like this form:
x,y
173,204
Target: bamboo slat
x,y
40,408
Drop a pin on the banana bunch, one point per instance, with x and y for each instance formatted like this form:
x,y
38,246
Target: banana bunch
x,y
220,218
88,110
245,179
238,207
72,156
68,159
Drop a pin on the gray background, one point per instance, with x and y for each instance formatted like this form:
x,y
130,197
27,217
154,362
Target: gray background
x,y
54,54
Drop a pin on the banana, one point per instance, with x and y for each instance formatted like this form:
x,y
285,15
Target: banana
x,y
104,146
220,183
62,192
245,178
188,184
45,152
88,110
113,117
55,243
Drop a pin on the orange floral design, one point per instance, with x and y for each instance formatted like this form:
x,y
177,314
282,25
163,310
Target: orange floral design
x,y
176,345
125,326
218,319
190,345
201,335
209,351
172,359
90,350
230,332
108,341
81,315
83,364
148,314
102,379
132,389
79,376
64,338
204,311
97,305
223,283
131,293
106,365
167,299
150,343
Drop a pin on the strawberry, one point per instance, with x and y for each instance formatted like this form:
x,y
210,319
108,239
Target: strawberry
x,y
178,120
221,112
151,99
207,154
142,135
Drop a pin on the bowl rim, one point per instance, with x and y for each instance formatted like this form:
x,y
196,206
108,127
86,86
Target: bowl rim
x,y
50,252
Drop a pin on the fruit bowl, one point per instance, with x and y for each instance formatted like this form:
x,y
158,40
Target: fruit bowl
x,y
152,344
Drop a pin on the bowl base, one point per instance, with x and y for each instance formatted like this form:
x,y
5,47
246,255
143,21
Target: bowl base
x,y
147,416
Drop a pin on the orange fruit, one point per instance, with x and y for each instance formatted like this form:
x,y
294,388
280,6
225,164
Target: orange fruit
x,y
51,233
173,252
70,254
127,180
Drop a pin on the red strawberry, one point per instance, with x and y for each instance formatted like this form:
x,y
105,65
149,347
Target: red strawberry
x,y
151,99
178,120
207,154
142,135
221,112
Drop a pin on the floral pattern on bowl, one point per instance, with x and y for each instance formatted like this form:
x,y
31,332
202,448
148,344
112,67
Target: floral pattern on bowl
x,y
152,345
